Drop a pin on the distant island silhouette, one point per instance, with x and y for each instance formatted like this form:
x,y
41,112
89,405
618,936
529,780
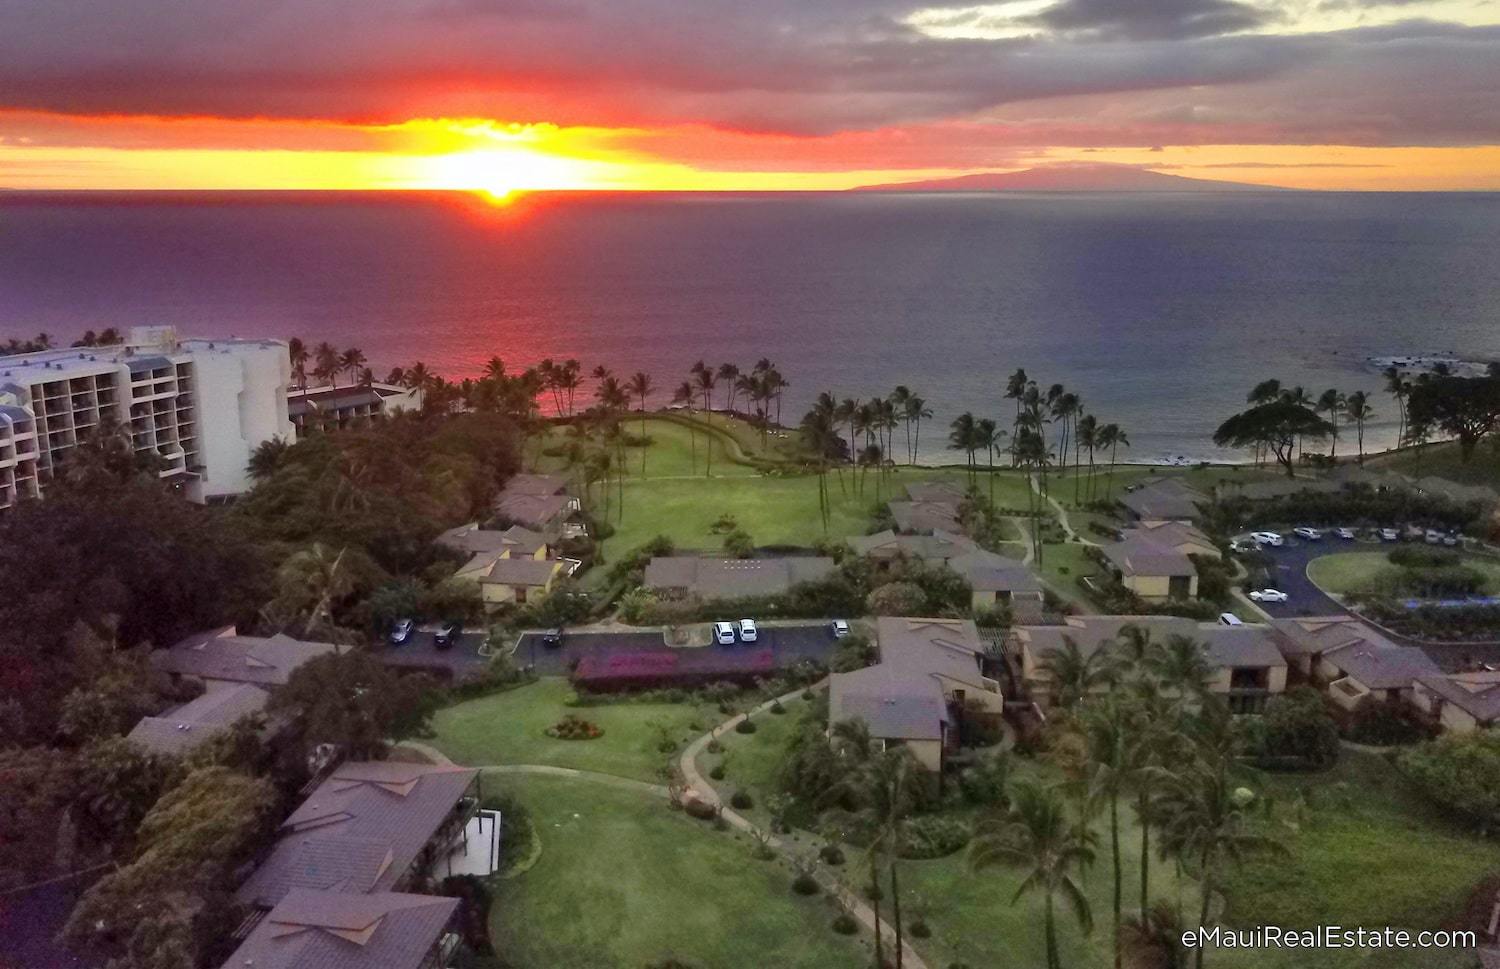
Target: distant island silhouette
x,y
1070,178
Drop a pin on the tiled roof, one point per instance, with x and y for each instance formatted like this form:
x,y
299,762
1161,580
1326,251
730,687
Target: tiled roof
x,y
220,654
989,572
940,492
1477,694
1171,534
924,516
473,539
892,703
333,930
360,831
937,547
1142,556
195,722
1382,667
1164,499
733,578
534,510
489,568
1223,646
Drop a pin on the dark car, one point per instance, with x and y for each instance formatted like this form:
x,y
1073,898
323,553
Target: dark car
x,y
447,635
401,632
552,638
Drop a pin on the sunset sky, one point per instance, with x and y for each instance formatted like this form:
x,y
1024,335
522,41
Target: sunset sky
x,y
501,95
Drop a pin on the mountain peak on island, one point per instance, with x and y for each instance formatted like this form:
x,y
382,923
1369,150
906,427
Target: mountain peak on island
x,y
1081,177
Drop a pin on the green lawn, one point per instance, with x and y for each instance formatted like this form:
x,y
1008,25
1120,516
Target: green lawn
x,y
623,881
509,728
1062,564
1369,851
1444,460
1351,572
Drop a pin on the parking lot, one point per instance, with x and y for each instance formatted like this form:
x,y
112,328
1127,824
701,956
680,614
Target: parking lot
x,y
420,652
1290,576
788,645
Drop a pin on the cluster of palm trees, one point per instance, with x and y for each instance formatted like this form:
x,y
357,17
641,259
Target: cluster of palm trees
x,y
1342,409
1135,725
762,387
862,434
328,363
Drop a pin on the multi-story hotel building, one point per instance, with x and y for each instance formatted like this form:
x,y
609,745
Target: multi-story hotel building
x,y
200,407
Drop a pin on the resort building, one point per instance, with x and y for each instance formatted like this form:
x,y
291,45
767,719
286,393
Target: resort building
x,y
334,930
370,827
681,576
1460,702
197,408
541,503
1350,660
237,674
1178,536
1247,667
931,507
929,681
1000,581
1153,572
1163,500
319,409
886,547
514,565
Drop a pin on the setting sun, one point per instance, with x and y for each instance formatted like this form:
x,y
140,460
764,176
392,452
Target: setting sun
x,y
499,172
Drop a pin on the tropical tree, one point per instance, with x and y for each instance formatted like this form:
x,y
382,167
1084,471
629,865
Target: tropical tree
x,y
1331,402
1074,673
1110,437
822,439
729,374
494,369
988,435
1038,836
1467,408
1356,409
1278,426
704,379
326,363
963,435
1106,730
352,361
1015,389
1087,435
1398,387
684,395
917,411
296,352
640,386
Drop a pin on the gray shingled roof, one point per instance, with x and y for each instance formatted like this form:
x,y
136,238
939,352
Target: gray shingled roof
x,y
989,572
332,930
1141,556
1477,694
534,510
940,491
220,654
1223,646
360,830
1382,667
893,703
1315,635
940,546
473,539
733,578
523,571
1164,498
194,722
924,516
536,484
1171,534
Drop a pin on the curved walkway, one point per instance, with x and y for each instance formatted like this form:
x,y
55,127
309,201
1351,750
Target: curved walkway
x,y
687,763
1062,514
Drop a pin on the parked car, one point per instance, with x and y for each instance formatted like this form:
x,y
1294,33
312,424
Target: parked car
x,y
1452,539
1246,544
748,632
840,628
1307,532
447,635
401,632
1229,619
724,633
1390,535
1433,537
1273,539
552,638
1347,534
1269,595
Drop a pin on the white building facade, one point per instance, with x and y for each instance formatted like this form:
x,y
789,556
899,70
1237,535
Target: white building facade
x,y
200,407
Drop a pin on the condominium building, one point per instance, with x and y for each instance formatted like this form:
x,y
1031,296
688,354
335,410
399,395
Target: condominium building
x,y
199,407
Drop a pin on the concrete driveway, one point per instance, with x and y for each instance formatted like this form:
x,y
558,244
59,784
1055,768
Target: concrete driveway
x,y
788,644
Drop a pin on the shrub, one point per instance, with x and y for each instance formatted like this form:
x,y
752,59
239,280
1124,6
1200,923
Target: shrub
x,y
1459,772
932,836
831,855
738,544
714,746
572,727
854,652
700,809
1422,556
1297,725
898,599
1386,723
919,930
984,783
844,924
745,726
716,772
741,800
777,708
805,884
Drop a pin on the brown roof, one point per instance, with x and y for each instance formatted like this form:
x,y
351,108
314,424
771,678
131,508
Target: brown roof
x,y
193,723
1142,556
924,516
1247,646
473,539
940,492
733,578
1477,694
537,511
1172,534
332,930
220,654
536,484
1315,635
989,572
901,696
1164,499
492,570
360,830
937,547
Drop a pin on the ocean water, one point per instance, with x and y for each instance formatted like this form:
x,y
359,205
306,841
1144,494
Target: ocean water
x,y
1160,310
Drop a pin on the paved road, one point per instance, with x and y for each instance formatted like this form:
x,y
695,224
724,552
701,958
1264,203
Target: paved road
x,y
788,644
460,661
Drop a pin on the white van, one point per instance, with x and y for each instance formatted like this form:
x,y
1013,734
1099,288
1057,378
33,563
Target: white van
x,y
1229,619
724,633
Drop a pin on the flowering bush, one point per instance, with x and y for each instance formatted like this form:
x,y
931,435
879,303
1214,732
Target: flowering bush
x,y
572,727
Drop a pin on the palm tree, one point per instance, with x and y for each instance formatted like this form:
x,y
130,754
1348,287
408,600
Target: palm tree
x,y
1015,389
899,398
963,436
1398,387
296,352
1106,730
569,379
326,363
1298,395
822,438
494,369
684,395
844,416
1357,410
917,411
267,457
352,361
1110,437
1076,674
640,385
1087,435
728,374
417,377
1331,402
1066,407
706,383
1183,668
1038,835
988,435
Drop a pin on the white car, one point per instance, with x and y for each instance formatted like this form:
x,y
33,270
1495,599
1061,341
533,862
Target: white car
x,y
1229,619
1269,595
840,628
748,632
724,633
1272,539
1390,535
1347,534
1311,534
1433,537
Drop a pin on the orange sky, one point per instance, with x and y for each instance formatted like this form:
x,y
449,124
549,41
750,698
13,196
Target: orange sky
x,y
708,94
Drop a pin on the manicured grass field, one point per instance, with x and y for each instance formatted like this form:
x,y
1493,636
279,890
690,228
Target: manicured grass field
x,y
1072,557
1368,851
1351,572
623,881
1444,460
510,728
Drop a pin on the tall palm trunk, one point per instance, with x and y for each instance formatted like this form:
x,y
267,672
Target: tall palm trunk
x,y
875,905
1109,481
1049,923
1114,838
896,909
1207,882
1141,808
